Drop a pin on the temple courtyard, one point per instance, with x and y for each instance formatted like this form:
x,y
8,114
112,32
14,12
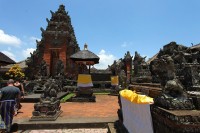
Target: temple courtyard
x,y
79,117
160,94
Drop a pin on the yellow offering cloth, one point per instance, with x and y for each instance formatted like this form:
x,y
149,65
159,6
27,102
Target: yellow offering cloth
x,y
84,80
114,80
136,98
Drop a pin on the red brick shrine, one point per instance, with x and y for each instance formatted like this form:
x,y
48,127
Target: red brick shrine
x,y
58,43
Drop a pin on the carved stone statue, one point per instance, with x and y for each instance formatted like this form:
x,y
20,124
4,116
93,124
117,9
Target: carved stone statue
x,y
43,68
164,68
186,64
49,106
50,91
123,79
177,67
173,95
139,59
60,68
117,66
141,69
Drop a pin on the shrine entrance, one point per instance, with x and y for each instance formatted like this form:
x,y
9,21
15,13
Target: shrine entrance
x,y
54,59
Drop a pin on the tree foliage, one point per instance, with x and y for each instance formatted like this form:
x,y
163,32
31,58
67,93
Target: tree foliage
x,y
15,72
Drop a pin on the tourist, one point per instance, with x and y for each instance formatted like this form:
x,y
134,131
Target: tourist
x,y
8,96
21,88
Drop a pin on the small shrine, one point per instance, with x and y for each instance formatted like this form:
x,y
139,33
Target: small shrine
x,y
123,69
84,83
121,73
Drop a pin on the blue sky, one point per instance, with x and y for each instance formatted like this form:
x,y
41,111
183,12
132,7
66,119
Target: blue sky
x,y
109,27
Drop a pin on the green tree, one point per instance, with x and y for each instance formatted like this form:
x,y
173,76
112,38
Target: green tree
x,y
15,72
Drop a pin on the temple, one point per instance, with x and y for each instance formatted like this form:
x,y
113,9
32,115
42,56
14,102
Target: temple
x,y
57,44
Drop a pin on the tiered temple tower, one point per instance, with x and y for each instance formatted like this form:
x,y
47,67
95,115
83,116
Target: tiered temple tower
x,y
58,43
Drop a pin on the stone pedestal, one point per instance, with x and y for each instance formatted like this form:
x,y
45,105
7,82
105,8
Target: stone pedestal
x,y
84,94
195,95
175,121
46,111
115,90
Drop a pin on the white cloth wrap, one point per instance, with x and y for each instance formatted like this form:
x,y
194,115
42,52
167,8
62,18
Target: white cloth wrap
x,y
136,117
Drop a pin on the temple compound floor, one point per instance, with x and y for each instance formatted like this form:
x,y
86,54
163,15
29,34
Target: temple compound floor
x,y
83,130
77,117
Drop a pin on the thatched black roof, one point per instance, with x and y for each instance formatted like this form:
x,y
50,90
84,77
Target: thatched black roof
x,y
85,55
6,59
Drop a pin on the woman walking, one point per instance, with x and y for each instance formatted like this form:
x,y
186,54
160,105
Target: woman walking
x,y
21,88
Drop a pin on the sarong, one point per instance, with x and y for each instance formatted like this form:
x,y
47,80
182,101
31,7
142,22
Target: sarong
x,y
7,112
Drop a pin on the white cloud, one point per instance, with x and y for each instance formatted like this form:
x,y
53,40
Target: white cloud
x,y
126,44
105,60
9,54
9,39
26,53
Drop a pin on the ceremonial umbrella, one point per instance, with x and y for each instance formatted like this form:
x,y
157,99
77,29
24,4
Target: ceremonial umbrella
x,y
85,57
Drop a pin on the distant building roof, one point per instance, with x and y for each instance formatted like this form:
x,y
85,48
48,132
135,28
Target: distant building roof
x,y
195,46
151,59
100,71
22,65
5,59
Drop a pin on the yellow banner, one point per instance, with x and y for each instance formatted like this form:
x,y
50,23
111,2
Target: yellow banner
x,y
114,80
84,79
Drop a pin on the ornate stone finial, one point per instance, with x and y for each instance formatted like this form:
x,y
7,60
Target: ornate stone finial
x,y
85,47
47,20
37,41
62,7
128,56
52,13
42,29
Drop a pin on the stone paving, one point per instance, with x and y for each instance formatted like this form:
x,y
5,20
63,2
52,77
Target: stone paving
x,y
104,110
97,130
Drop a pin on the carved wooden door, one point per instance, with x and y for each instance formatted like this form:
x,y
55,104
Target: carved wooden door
x,y
54,59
